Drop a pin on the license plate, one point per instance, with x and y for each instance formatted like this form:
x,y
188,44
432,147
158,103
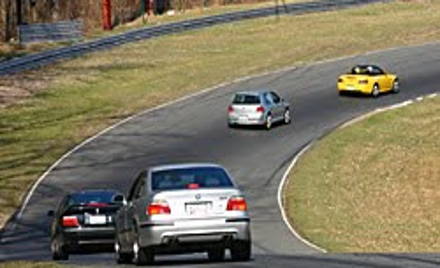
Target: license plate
x,y
242,119
199,209
97,219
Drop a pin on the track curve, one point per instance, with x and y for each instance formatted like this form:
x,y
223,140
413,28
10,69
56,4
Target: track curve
x,y
195,130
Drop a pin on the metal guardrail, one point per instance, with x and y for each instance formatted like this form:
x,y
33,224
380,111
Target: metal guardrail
x,y
58,31
37,60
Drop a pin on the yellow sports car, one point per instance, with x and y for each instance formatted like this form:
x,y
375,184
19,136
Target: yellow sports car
x,y
368,79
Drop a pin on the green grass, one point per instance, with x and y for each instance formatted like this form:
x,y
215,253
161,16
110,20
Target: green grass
x,y
78,98
372,186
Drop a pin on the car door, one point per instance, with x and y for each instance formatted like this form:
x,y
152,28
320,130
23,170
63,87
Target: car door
x,y
278,105
134,208
55,226
125,216
382,79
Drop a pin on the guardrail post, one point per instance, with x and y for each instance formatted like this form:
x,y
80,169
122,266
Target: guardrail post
x,y
106,14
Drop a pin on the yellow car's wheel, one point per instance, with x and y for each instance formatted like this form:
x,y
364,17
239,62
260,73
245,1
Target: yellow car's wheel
x,y
396,86
375,91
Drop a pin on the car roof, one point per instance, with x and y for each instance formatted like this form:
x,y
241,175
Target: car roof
x,y
95,191
184,166
253,92
366,65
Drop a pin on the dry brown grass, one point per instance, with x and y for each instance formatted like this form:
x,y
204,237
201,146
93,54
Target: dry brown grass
x,y
372,187
24,264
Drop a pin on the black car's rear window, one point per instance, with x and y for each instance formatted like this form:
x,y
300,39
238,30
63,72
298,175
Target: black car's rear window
x,y
190,178
91,197
246,99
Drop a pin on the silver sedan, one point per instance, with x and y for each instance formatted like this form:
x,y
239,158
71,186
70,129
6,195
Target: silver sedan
x,y
181,209
258,108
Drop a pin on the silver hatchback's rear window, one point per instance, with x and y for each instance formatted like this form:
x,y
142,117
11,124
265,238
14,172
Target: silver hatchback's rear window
x,y
190,178
246,99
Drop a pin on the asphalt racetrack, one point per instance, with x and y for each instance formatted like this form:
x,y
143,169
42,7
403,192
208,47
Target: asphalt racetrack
x,y
195,130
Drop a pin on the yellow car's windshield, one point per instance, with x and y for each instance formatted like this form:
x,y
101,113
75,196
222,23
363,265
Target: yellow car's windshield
x,y
366,70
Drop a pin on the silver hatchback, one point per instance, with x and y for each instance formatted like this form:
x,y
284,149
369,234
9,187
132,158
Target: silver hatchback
x,y
258,108
182,209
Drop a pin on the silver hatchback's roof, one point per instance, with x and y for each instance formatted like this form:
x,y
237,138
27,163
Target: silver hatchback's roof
x,y
183,166
253,92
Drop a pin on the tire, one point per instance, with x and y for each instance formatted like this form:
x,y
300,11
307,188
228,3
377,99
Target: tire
x,y
268,123
375,91
230,125
241,251
216,255
287,118
122,258
142,256
396,86
58,250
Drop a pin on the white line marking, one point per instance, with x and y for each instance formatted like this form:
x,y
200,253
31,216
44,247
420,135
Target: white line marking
x,y
280,202
432,95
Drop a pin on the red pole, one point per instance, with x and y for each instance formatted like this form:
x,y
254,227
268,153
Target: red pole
x,y
107,14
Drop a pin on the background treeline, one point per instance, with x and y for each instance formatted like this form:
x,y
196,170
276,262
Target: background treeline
x,y
35,11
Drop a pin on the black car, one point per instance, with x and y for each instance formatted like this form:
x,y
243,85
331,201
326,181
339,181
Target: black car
x,y
84,221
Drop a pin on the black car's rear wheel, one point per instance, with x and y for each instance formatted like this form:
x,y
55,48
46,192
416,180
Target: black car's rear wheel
x,y
217,254
241,250
58,250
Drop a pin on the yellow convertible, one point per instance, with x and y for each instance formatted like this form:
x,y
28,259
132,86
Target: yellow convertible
x,y
368,79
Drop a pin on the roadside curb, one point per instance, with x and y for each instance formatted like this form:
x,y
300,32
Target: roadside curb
x,y
280,194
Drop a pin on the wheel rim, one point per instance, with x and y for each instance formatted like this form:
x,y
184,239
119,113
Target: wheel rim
x,y
287,116
136,251
117,253
269,122
375,90
396,86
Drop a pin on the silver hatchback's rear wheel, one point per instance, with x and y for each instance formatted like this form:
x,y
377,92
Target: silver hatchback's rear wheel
x,y
287,118
268,124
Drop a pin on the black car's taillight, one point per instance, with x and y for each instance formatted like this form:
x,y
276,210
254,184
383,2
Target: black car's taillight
x,y
69,221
